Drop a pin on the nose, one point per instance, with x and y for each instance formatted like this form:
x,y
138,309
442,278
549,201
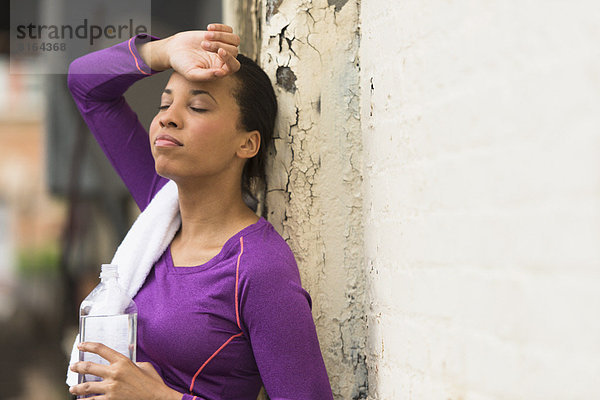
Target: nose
x,y
170,118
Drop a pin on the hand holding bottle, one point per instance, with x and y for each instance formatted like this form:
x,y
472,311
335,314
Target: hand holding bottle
x,y
122,379
109,316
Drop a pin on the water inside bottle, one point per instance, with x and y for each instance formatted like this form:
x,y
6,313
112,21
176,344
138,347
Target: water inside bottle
x,y
115,331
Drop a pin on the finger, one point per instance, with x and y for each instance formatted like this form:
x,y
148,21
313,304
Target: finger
x,y
103,351
215,46
201,74
219,27
88,388
231,63
90,368
225,37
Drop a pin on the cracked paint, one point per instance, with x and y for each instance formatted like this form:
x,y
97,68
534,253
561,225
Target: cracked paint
x,y
337,3
272,7
313,195
286,79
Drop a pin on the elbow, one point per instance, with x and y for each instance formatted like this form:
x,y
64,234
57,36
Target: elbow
x,y
75,78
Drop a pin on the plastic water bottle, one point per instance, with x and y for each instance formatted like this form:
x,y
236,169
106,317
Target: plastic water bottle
x,y
108,316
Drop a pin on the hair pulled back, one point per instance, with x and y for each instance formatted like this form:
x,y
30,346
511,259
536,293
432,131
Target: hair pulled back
x,y
258,108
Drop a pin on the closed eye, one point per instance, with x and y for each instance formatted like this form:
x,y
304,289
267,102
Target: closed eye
x,y
191,108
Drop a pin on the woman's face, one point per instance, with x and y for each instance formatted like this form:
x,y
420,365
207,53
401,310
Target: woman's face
x,y
195,133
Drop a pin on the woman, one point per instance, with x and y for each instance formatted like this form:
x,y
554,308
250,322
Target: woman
x,y
222,311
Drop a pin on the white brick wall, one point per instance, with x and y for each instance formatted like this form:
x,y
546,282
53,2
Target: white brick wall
x,y
481,134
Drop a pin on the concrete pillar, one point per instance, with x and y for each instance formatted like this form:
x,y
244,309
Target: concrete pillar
x,y
310,51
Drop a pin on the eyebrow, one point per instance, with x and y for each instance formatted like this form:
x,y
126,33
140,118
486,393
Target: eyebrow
x,y
194,92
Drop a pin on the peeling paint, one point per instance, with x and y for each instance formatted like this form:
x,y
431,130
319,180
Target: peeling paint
x,y
337,3
272,7
286,79
310,49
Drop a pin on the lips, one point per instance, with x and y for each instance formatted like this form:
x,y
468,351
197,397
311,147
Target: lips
x,y
166,141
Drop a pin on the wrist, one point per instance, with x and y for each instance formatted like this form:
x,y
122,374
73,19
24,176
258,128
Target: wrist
x,y
155,54
166,393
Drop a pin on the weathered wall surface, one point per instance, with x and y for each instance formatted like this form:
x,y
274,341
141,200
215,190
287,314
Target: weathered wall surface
x,y
310,50
244,17
482,198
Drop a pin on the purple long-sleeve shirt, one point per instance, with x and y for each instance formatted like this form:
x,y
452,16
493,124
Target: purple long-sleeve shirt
x,y
217,330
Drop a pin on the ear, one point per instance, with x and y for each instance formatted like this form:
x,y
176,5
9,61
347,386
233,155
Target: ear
x,y
250,145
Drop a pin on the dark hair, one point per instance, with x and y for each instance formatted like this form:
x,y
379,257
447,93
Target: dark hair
x,y
258,108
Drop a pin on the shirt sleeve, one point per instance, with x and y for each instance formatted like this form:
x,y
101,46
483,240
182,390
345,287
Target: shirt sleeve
x,y
99,98
276,315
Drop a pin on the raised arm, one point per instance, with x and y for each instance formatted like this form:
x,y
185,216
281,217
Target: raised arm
x,y
198,55
99,98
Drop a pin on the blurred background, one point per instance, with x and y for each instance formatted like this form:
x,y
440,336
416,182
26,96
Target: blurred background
x,y
435,174
63,210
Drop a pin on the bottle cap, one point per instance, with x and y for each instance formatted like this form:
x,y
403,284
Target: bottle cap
x,y
109,271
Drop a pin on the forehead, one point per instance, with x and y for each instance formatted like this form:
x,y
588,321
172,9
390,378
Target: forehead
x,y
220,88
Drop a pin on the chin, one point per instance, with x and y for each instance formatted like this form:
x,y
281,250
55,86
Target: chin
x,y
164,170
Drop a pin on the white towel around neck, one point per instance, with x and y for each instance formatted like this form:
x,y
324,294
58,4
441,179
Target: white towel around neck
x,y
143,245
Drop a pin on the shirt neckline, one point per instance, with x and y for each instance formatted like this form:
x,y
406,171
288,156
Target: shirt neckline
x,y
231,242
